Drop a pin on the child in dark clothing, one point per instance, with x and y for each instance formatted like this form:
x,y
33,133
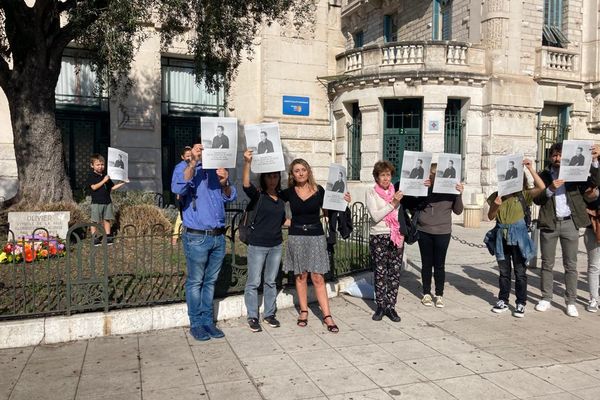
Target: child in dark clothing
x,y
100,185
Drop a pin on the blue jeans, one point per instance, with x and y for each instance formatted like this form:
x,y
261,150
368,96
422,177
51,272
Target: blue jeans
x,y
204,256
256,260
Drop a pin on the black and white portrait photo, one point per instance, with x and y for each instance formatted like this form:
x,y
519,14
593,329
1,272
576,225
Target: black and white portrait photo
x,y
117,164
509,171
414,171
339,185
265,143
417,172
219,138
576,158
335,188
448,173
220,141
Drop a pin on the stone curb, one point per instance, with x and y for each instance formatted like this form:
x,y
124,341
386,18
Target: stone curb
x,y
59,329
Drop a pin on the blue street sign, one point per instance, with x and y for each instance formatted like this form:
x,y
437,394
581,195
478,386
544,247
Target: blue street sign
x,y
294,105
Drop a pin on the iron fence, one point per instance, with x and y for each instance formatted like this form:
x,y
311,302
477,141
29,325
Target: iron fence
x,y
137,269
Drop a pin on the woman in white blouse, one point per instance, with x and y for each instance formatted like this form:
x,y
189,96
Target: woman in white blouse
x,y
386,243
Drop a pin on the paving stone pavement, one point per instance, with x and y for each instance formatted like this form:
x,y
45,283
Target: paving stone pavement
x,y
462,351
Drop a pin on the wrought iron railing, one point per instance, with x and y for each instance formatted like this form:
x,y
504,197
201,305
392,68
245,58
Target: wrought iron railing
x,y
138,269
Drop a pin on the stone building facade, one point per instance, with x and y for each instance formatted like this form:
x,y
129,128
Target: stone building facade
x,y
478,78
473,77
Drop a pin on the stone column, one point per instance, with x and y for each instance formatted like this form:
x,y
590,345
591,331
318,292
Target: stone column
x,y
372,137
473,139
494,27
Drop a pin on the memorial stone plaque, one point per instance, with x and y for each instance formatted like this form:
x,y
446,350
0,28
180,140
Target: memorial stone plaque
x,y
24,223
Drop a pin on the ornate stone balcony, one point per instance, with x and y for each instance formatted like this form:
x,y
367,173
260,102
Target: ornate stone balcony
x,y
445,58
554,63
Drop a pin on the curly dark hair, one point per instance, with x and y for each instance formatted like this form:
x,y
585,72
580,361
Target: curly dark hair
x,y
555,148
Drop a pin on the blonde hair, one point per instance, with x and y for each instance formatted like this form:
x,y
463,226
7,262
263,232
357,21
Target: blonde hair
x,y
311,179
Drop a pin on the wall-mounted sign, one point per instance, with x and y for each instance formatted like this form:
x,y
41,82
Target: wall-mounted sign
x,y
434,126
294,105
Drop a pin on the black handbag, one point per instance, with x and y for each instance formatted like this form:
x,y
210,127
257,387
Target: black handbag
x,y
408,225
247,221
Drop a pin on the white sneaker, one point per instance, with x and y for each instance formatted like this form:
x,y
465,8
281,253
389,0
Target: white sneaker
x,y
572,310
543,305
592,306
427,300
439,302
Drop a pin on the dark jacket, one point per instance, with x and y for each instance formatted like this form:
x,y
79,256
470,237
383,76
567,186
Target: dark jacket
x,y
575,201
341,222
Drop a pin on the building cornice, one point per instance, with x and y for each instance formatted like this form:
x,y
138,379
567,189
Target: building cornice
x,y
409,78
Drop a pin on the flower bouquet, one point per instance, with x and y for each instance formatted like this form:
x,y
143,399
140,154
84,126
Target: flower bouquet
x,y
31,248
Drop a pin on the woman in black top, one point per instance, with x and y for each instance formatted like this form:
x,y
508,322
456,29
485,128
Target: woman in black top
x,y
264,243
306,249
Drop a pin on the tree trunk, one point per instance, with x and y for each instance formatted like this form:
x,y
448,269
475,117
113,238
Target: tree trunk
x,y
37,139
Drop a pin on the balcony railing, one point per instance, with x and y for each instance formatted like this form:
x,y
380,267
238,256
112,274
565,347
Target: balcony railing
x,y
557,63
354,61
402,54
399,56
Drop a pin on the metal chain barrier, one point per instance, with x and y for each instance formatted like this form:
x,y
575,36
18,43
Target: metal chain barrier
x,y
470,244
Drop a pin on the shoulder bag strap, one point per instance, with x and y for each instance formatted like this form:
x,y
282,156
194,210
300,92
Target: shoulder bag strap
x,y
260,196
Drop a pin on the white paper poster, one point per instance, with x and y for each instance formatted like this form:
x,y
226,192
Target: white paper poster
x,y
449,171
576,160
414,172
509,170
265,142
118,165
335,188
219,138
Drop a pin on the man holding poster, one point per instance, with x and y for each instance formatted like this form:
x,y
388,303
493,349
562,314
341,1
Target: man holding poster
x,y
203,194
562,213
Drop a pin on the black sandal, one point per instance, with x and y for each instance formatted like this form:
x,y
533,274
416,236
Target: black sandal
x,y
302,322
331,328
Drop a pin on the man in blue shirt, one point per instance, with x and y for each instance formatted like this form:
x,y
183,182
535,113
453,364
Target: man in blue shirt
x,y
203,193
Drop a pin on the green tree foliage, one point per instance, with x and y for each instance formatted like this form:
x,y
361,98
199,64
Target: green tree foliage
x,y
34,34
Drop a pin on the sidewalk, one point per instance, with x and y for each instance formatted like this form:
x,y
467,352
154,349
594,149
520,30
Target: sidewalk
x,y
463,351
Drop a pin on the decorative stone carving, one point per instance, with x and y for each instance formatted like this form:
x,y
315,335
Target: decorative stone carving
x,y
305,31
493,33
495,5
596,108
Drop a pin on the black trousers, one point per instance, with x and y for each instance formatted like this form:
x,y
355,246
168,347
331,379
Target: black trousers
x,y
513,259
433,250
